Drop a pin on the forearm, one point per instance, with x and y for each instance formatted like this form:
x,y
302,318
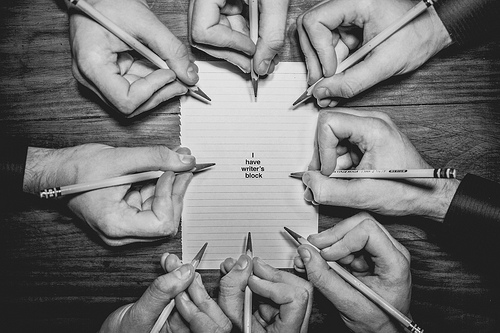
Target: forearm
x,y
468,20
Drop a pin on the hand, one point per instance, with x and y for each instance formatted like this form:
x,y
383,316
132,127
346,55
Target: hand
x,y
219,28
346,139
290,297
195,310
355,23
120,214
140,316
102,62
366,249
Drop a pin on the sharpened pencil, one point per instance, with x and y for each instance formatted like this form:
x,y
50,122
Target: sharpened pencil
x,y
247,306
132,42
446,173
371,44
56,192
253,8
410,325
168,309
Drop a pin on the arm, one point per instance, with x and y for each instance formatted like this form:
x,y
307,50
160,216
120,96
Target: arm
x,y
121,214
103,63
219,28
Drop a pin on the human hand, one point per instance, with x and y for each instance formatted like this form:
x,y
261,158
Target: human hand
x,y
355,23
371,254
345,139
120,214
219,28
290,297
195,311
139,317
104,64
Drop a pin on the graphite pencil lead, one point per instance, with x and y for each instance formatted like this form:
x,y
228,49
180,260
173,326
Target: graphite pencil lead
x,y
255,85
302,98
202,167
295,235
297,175
249,243
200,92
197,258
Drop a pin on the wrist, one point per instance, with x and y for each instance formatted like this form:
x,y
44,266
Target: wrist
x,y
436,204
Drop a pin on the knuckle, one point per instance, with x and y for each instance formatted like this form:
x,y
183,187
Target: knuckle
x,y
350,88
308,20
199,35
301,295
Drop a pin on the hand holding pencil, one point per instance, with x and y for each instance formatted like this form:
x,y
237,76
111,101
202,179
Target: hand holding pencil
x,y
105,64
359,24
360,145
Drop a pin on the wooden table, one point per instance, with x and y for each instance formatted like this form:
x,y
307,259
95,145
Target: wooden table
x,y
56,274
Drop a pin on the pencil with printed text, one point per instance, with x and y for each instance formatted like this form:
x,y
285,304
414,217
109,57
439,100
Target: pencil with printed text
x,y
371,44
132,42
168,309
253,8
247,306
56,192
409,324
445,173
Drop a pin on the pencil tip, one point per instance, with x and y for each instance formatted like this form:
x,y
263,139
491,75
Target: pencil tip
x,y
202,94
295,235
202,167
249,242
297,175
302,98
255,85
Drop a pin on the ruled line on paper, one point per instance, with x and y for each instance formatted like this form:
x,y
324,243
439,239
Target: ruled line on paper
x,y
255,145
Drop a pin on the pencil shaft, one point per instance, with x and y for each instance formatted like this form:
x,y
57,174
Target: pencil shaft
x,y
447,173
371,44
247,305
129,40
253,7
116,181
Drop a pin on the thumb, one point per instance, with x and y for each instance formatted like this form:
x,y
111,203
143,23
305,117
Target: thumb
x,y
140,159
325,279
160,293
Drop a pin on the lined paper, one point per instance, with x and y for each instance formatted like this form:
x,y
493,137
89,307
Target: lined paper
x,y
256,145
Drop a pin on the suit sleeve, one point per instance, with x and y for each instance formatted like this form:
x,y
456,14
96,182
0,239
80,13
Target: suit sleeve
x,y
12,164
473,218
469,20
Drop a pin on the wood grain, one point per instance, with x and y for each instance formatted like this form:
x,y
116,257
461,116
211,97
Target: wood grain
x,y
57,270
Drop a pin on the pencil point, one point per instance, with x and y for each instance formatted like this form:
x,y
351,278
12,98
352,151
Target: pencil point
x,y
295,235
249,243
255,84
297,175
202,167
200,92
304,97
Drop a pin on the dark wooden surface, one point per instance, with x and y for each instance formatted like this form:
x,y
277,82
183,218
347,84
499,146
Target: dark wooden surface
x,y
57,276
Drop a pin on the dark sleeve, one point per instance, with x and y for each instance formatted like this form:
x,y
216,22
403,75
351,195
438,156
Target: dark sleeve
x,y
469,20
473,218
12,162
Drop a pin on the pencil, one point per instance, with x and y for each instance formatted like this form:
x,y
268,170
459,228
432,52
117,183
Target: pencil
x,y
132,42
254,36
447,173
371,44
168,309
56,192
362,288
247,305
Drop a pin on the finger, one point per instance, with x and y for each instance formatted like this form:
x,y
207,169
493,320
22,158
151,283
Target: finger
x,y
170,262
227,265
139,159
161,95
313,65
272,23
293,302
268,313
161,292
236,58
198,294
197,321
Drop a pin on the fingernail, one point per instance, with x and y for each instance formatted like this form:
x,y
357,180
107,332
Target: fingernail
x,y
306,178
182,272
186,159
308,196
191,73
260,261
323,93
264,66
242,262
305,255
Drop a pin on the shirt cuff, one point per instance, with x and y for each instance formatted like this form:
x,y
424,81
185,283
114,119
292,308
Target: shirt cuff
x,y
12,164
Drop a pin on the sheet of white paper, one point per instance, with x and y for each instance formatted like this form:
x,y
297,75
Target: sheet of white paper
x,y
256,144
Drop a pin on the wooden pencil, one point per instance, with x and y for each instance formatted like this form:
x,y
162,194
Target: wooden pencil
x,y
132,42
410,325
446,173
247,305
371,44
253,8
56,192
168,309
